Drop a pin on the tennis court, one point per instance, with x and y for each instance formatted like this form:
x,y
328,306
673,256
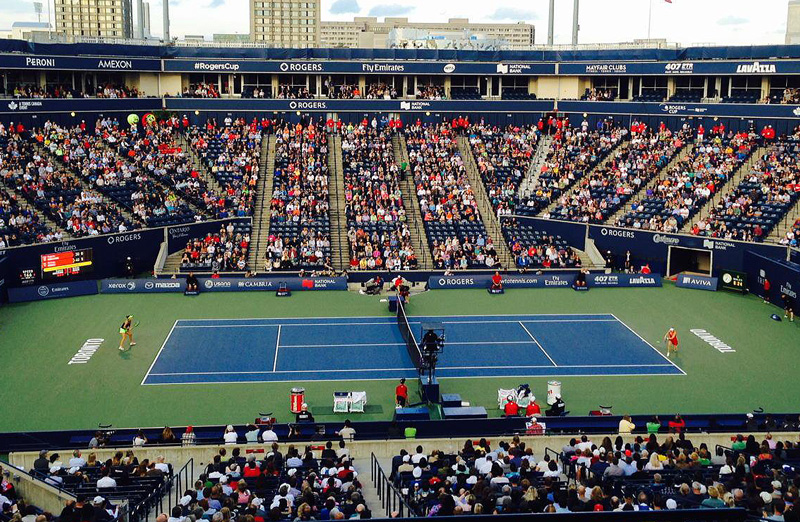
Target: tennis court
x,y
198,351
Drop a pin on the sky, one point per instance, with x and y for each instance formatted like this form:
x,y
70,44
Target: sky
x,y
729,22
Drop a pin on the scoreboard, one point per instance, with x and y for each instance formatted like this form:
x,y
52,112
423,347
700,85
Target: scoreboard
x,y
65,264
733,281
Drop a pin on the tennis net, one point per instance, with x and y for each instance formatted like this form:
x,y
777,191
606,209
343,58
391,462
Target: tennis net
x,y
408,335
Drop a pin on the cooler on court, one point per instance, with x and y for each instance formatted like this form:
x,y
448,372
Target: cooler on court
x,y
296,399
553,391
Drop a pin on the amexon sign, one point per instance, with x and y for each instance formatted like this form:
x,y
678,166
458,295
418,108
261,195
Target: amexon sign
x,y
16,61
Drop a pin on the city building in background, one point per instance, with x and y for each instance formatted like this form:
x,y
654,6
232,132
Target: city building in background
x,y
98,18
367,32
285,23
25,30
231,38
793,23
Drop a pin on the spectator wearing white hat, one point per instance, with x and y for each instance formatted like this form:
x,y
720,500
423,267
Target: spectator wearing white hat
x,y
230,435
304,415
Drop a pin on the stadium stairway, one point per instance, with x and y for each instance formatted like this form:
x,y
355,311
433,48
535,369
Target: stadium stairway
x,y
732,183
368,490
87,186
488,215
626,208
340,247
779,232
531,178
261,212
419,238
197,163
602,163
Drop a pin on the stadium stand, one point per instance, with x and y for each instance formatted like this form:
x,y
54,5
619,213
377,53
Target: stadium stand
x,y
376,215
299,220
21,226
641,473
503,157
750,211
634,163
453,225
573,153
689,184
535,249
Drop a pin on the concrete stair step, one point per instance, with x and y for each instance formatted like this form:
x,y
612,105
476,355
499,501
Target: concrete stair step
x,y
419,238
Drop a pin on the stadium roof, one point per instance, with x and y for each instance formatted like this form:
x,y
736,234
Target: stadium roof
x,y
30,25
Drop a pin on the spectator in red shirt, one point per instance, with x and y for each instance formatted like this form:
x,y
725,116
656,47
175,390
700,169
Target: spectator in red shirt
x,y
677,424
532,409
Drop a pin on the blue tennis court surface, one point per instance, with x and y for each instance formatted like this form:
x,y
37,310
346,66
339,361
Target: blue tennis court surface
x,y
369,348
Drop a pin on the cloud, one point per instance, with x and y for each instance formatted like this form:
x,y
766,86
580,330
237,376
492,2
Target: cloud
x,y
345,6
216,3
732,20
513,13
390,10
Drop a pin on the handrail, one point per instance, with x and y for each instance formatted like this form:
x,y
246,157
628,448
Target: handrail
x,y
391,499
171,490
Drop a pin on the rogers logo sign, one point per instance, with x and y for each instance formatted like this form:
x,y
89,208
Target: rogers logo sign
x,y
125,238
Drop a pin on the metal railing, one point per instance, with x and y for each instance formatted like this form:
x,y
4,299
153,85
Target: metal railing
x,y
391,499
165,497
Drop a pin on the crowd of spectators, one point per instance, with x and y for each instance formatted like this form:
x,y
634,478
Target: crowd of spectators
x,y
690,183
599,95
378,233
633,164
380,91
225,251
457,236
503,156
535,249
792,236
299,220
574,151
108,90
200,90
290,92
751,210
790,96
631,473
231,153
21,226
430,92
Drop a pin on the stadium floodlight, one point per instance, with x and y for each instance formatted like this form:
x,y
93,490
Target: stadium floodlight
x,y
37,8
551,22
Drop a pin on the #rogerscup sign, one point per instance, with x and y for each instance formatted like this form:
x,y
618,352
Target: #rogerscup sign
x,y
86,351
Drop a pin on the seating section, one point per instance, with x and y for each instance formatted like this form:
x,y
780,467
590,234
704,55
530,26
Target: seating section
x,y
792,236
643,473
741,96
465,93
299,233
231,155
687,96
653,96
517,94
378,233
20,226
599,194
503,157
59,193
225,251
536,249
456,234
750,211
122,478
690,183
574,151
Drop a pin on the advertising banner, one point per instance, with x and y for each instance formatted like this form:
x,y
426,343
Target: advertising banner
x,y
697,282
54,291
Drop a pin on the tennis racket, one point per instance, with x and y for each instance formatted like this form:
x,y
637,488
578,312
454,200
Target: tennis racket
x,y
136,324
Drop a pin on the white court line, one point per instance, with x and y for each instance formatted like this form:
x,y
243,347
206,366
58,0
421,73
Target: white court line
x,y
359,345
411,321
537,343
159,353
259,372
394,378
277,348
651,346
381,317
